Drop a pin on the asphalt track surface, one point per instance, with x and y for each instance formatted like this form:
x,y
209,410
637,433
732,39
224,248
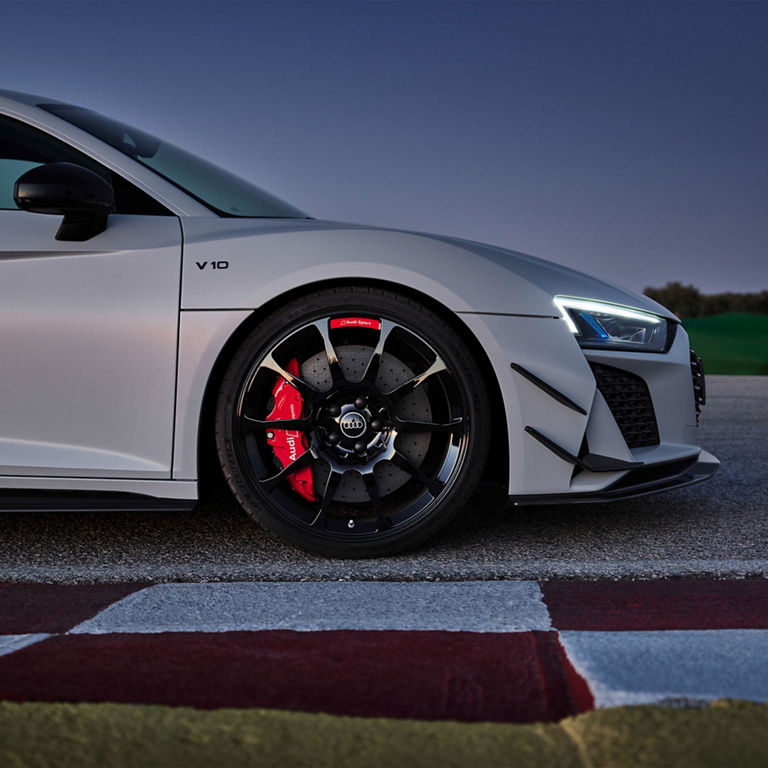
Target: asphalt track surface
x,y
718,528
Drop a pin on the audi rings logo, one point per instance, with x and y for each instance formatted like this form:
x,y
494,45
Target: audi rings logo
x,y
352,424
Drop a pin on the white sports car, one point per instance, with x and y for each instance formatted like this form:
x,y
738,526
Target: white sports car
x,y
165,320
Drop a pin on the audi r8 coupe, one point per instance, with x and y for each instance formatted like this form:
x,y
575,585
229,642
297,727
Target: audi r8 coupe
x,y
162,319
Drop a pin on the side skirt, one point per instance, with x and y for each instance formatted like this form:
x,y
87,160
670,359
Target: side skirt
x,y
79,501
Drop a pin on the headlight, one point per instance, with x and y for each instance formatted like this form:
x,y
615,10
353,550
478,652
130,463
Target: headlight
x,y
599,325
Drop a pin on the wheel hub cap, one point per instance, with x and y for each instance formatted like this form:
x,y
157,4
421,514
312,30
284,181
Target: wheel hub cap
x,y
357,430
353,425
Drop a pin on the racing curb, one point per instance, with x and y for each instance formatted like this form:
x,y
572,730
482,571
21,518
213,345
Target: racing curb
x,y
504,651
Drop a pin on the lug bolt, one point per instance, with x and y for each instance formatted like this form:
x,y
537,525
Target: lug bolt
x,y
360,402
376,425
334,438
334,410
360,447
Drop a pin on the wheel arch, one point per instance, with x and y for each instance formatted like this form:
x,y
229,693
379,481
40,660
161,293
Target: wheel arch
x,y
210,476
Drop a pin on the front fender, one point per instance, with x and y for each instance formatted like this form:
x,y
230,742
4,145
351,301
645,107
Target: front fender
x,y
230,265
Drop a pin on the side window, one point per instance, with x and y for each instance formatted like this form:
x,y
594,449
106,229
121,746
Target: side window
x,y
23,147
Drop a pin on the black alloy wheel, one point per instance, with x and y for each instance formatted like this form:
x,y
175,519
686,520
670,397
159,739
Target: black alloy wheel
x,y
353,423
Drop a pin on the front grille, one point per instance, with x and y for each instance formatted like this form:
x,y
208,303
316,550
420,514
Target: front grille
x,y
630,403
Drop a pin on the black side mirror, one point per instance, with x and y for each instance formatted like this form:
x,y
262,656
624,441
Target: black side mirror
x,y
82,196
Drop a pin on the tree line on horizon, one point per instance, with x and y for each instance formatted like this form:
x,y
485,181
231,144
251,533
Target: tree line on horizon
x,y
687,301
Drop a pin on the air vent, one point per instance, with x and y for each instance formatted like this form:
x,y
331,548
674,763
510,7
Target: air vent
x,y
699,384
630,403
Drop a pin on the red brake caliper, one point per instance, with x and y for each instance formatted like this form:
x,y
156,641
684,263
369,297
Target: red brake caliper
x,y
288,444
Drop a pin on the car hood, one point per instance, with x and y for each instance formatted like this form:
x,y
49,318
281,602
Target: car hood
x,y
557,279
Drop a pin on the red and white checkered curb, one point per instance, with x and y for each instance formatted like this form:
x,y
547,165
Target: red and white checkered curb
x,y
500,650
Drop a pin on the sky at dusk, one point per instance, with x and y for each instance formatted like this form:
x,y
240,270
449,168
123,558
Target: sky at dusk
x,y
629,140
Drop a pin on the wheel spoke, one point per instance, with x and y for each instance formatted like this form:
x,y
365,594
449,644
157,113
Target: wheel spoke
x,y
329,492
305,389
270,483
434,487
373,494
409,386
407,425
248,424
372,369
332,357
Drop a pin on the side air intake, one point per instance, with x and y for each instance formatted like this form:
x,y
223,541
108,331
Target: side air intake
x,y
630,403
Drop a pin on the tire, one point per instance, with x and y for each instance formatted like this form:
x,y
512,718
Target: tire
x,y
353,423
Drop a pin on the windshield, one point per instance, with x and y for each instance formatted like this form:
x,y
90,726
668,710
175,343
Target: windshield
x,y
223,192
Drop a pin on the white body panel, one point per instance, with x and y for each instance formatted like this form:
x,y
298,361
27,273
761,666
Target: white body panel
x,y
201,338
548,350
88,339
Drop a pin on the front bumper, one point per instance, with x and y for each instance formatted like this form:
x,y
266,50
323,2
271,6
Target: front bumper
x,y
586,425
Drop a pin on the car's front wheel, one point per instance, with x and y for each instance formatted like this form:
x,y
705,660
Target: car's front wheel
x,y
353,422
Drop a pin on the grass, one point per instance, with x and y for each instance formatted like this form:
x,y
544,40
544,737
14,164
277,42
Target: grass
x,y
732,343
34,734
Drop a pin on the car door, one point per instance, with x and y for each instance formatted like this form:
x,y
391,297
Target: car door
x,y
88,330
